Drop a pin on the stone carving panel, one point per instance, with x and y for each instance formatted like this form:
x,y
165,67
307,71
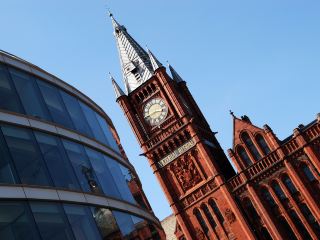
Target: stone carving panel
x,y
231,218
186,172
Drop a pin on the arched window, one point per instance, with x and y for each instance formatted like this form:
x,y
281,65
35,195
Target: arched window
x,y
288,183
278,190
201,221
216,210
252,148
307,172
244,156
209,216
300,226
267,197
310,218
262,144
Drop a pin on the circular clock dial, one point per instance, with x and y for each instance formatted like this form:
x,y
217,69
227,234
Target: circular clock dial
x,y
155,111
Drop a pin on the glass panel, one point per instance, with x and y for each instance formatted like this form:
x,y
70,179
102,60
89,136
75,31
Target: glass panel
x,y
262,144
300,226
277,189
7,172
16,222
51,221
216,210
93,123
252,148
209,216
76,114
9,99
201,221
29,94
244,156
82,167
267,197
119,179
107,132
307,172
287,181
82,222
286,228
106,223
57,161
310,218
55,104
102,171
26,156
125,223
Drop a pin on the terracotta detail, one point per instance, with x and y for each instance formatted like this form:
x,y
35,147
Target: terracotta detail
x,y
231,218
200,235
185,172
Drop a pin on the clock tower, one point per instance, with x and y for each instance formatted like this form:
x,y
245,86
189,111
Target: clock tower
x,y
183,152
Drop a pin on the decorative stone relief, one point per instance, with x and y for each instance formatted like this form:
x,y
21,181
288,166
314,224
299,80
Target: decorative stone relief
x,y
185,172
231,218
200,235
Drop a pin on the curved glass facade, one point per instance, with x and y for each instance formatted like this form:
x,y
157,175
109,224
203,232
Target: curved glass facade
x,y
36,220
24,93
91,179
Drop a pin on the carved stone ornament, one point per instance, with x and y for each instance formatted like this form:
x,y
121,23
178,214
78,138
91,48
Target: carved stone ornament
x,y
231,218
185,172
200,235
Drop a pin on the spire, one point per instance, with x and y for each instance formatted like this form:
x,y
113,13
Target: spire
x,y
175,75
154,61
118,91
135,62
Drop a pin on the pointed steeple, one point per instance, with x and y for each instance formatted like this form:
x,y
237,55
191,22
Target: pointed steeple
x,y
135,62
118,91
175,75
154,61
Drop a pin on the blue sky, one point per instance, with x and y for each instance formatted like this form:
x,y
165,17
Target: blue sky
x,y
260,58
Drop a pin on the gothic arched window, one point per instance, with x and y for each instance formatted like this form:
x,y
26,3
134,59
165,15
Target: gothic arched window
x,y
252,148
288,183
216,210
201,221
278,190
307,172
209,216
262,144
244,156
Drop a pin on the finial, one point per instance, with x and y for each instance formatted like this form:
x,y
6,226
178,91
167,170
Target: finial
x,y
110,75
118,91
232,113
168,63
110,13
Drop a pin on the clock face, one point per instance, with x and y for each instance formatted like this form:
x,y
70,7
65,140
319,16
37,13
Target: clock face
x,y
155,111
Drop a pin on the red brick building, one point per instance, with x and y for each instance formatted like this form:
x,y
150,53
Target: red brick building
x,y
273,195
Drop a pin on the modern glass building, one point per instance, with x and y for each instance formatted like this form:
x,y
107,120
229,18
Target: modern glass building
x,y
62,175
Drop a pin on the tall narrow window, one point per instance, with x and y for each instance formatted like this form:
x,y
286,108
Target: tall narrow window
x,y
244,156
252,148
310,218
267,197
201,221
286,228
250,209
288,183
209,216
277,189
307,172
262,144
300,226
216,210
